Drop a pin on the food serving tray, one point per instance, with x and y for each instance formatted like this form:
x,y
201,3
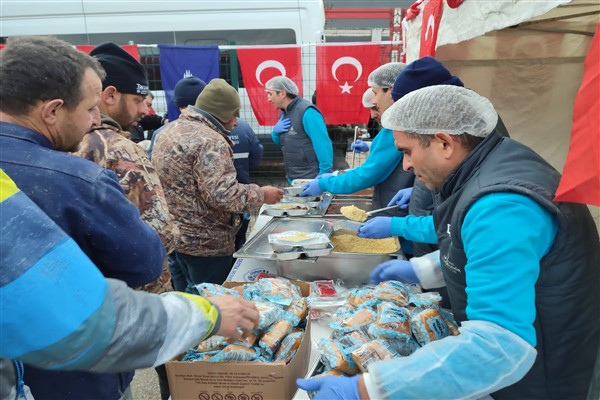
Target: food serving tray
x,y
316,209
259,247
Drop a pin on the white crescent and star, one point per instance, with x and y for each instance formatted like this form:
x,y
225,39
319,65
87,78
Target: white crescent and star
x,y
430,24
343,61
268,64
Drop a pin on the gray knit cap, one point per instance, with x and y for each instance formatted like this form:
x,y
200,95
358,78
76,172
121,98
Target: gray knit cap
x,y
219,99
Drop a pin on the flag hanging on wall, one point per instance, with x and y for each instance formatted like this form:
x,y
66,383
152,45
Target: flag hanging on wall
x,y
342,72
178,62
432,15
258,65
580,182
130,48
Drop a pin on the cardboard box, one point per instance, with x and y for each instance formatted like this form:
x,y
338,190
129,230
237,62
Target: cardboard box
x,y
241,380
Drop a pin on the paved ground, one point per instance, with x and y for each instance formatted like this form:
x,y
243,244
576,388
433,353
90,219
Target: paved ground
x,y
145,385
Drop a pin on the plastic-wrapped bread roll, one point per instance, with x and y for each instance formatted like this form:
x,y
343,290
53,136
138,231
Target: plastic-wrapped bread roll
x,y
393,322
429,325
289,347
393,291
370,352
274,335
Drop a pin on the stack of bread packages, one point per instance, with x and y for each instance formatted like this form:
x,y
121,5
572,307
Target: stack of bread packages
x,y
388,321
282,321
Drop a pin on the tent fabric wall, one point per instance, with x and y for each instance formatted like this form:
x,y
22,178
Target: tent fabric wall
x,y
531,76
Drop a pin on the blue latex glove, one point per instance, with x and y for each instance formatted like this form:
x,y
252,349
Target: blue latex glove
x,y
401,198
376,228
282,126
331,387
394,270
328,174
359,146
311,189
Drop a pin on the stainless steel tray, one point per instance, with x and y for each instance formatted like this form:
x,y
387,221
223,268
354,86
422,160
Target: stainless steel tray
x,y
315,212
259,247
338,201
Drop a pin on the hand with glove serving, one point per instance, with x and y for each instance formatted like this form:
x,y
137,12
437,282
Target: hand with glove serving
x,y
359,146
394,270
402,198
311,189
376,228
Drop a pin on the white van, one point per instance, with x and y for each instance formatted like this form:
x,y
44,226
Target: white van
x,y
202,22
199,22
224,23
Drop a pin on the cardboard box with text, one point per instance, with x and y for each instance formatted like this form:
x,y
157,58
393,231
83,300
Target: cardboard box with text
x,y
240,380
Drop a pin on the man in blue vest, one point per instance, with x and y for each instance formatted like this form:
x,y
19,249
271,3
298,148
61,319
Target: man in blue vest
x,y
521,270
301,132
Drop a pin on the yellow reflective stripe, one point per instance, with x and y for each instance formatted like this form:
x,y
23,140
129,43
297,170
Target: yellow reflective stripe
x,y
7,186
210,312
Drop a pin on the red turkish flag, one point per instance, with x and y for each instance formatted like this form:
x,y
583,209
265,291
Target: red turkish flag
x,y
130,48
580,182
432,15
258,65
342,72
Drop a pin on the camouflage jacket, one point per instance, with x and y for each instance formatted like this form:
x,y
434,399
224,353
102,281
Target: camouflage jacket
x,y
194,160
107,146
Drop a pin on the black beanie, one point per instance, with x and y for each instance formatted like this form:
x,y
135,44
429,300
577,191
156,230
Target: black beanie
x,y
426,71
187,91
122,70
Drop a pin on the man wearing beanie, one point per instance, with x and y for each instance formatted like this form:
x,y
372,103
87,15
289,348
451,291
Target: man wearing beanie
x,y
301,131
185,93
121,106
194,160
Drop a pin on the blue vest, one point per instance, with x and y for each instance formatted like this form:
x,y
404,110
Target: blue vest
x,y
567,295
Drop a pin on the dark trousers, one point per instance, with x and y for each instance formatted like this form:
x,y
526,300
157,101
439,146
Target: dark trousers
x,y
178,280
240,237
204,269
163,382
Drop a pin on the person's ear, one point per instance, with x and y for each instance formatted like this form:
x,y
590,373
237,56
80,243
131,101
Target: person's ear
x,y
110,95
50,110
446,142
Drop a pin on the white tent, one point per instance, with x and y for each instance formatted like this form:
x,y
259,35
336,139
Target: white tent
x,y
525,56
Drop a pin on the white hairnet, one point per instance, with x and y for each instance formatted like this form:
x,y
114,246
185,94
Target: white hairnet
x,y
385,75
367,99
442,108
282,83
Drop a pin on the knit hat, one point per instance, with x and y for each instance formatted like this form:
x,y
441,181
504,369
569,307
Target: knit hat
x,y
426,71
187,91
122,70
219,99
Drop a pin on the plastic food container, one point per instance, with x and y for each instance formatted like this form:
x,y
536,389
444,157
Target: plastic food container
x,y
286,241
320,252
292,190
299,199
301,182
288,255
296,252
290,209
